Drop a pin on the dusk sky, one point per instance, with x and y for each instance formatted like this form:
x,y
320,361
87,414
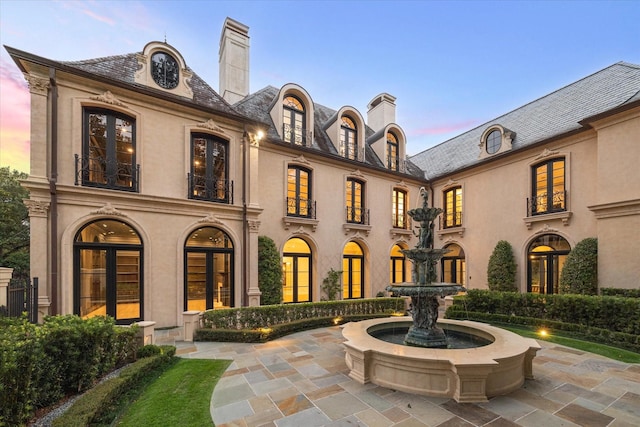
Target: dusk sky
x,y
451,65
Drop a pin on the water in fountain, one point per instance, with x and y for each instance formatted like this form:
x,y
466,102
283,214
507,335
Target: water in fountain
x,y
423,290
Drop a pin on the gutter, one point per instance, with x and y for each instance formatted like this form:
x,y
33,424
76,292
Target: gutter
x,y
53,178
245,232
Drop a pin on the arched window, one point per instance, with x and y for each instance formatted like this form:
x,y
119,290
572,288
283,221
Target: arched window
x,y
352,271
348,138
356,211
454,265
452,207
397,265
208,179
293,121
393,160
546,256
107,262
399,209
299,201
548,192
494,141
109,150
208,270
296,271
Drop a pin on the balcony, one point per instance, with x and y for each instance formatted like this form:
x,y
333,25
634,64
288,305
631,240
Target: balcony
x,y
300,212
106,173
545,208
543,204
357,219
210,189
450,224
296,135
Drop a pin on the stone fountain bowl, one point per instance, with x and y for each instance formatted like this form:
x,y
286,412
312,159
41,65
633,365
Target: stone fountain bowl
x,y
466,375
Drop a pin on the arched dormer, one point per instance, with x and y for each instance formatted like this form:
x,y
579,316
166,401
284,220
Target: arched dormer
x,y
496,139
389,144
162,67
346,131
292,114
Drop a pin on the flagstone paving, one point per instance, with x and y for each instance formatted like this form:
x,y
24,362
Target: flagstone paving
x,y
302,380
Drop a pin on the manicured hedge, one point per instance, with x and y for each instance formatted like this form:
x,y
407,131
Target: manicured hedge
x,y
617,292
247,324
96,405
40,364
610,320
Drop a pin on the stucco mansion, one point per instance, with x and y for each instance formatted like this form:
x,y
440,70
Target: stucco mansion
x,y
149,189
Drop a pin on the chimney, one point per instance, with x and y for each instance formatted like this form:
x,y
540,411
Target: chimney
x,y
234,61
381,111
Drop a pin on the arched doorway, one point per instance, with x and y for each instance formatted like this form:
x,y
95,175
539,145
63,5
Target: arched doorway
x,y
352,271
397,268
454,265
296,271
208,258
107,264
545,257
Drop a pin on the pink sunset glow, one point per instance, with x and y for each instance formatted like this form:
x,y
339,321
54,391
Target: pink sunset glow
x,y
14,118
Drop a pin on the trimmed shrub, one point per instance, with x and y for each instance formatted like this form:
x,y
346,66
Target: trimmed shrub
x,y
501,270
611,320
580,271
247,318
40,364
618,292
269,271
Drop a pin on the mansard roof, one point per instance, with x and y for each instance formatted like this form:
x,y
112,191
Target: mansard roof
x,y
258,105
555,115
120,70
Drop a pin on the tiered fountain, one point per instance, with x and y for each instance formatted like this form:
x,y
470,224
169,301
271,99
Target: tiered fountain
x,y
426,363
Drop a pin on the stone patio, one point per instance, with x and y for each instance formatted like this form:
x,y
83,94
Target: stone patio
x,y
302,380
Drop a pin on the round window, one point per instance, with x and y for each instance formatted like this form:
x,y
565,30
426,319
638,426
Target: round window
x,y
494,140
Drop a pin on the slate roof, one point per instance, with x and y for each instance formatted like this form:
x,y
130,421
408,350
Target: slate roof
x,y
122,68
553,115
258,104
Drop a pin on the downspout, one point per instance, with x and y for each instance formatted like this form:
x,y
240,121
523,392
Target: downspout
x,y
245,231
53,178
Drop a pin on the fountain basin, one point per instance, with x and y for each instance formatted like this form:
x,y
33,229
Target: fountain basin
x,y
466,375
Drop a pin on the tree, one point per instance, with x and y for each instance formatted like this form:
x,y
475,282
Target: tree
x,y
580,271
269,271
501,271
14,223
331,284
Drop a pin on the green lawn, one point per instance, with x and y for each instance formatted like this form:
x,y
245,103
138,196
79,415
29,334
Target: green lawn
x,y
179,397
592,347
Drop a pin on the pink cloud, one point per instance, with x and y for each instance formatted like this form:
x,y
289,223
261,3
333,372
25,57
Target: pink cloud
x,y
444,129
97,17
14,118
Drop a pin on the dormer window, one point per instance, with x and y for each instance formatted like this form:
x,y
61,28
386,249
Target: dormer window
x,y
392,152
293,121
165,70
495,139
348,138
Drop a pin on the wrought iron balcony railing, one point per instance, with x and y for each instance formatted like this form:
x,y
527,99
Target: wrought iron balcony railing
x,y
304,208
296,135
545,203
106,173
357,215
213,190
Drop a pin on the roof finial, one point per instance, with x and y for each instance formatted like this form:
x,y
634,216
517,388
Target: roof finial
x,y
165,37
